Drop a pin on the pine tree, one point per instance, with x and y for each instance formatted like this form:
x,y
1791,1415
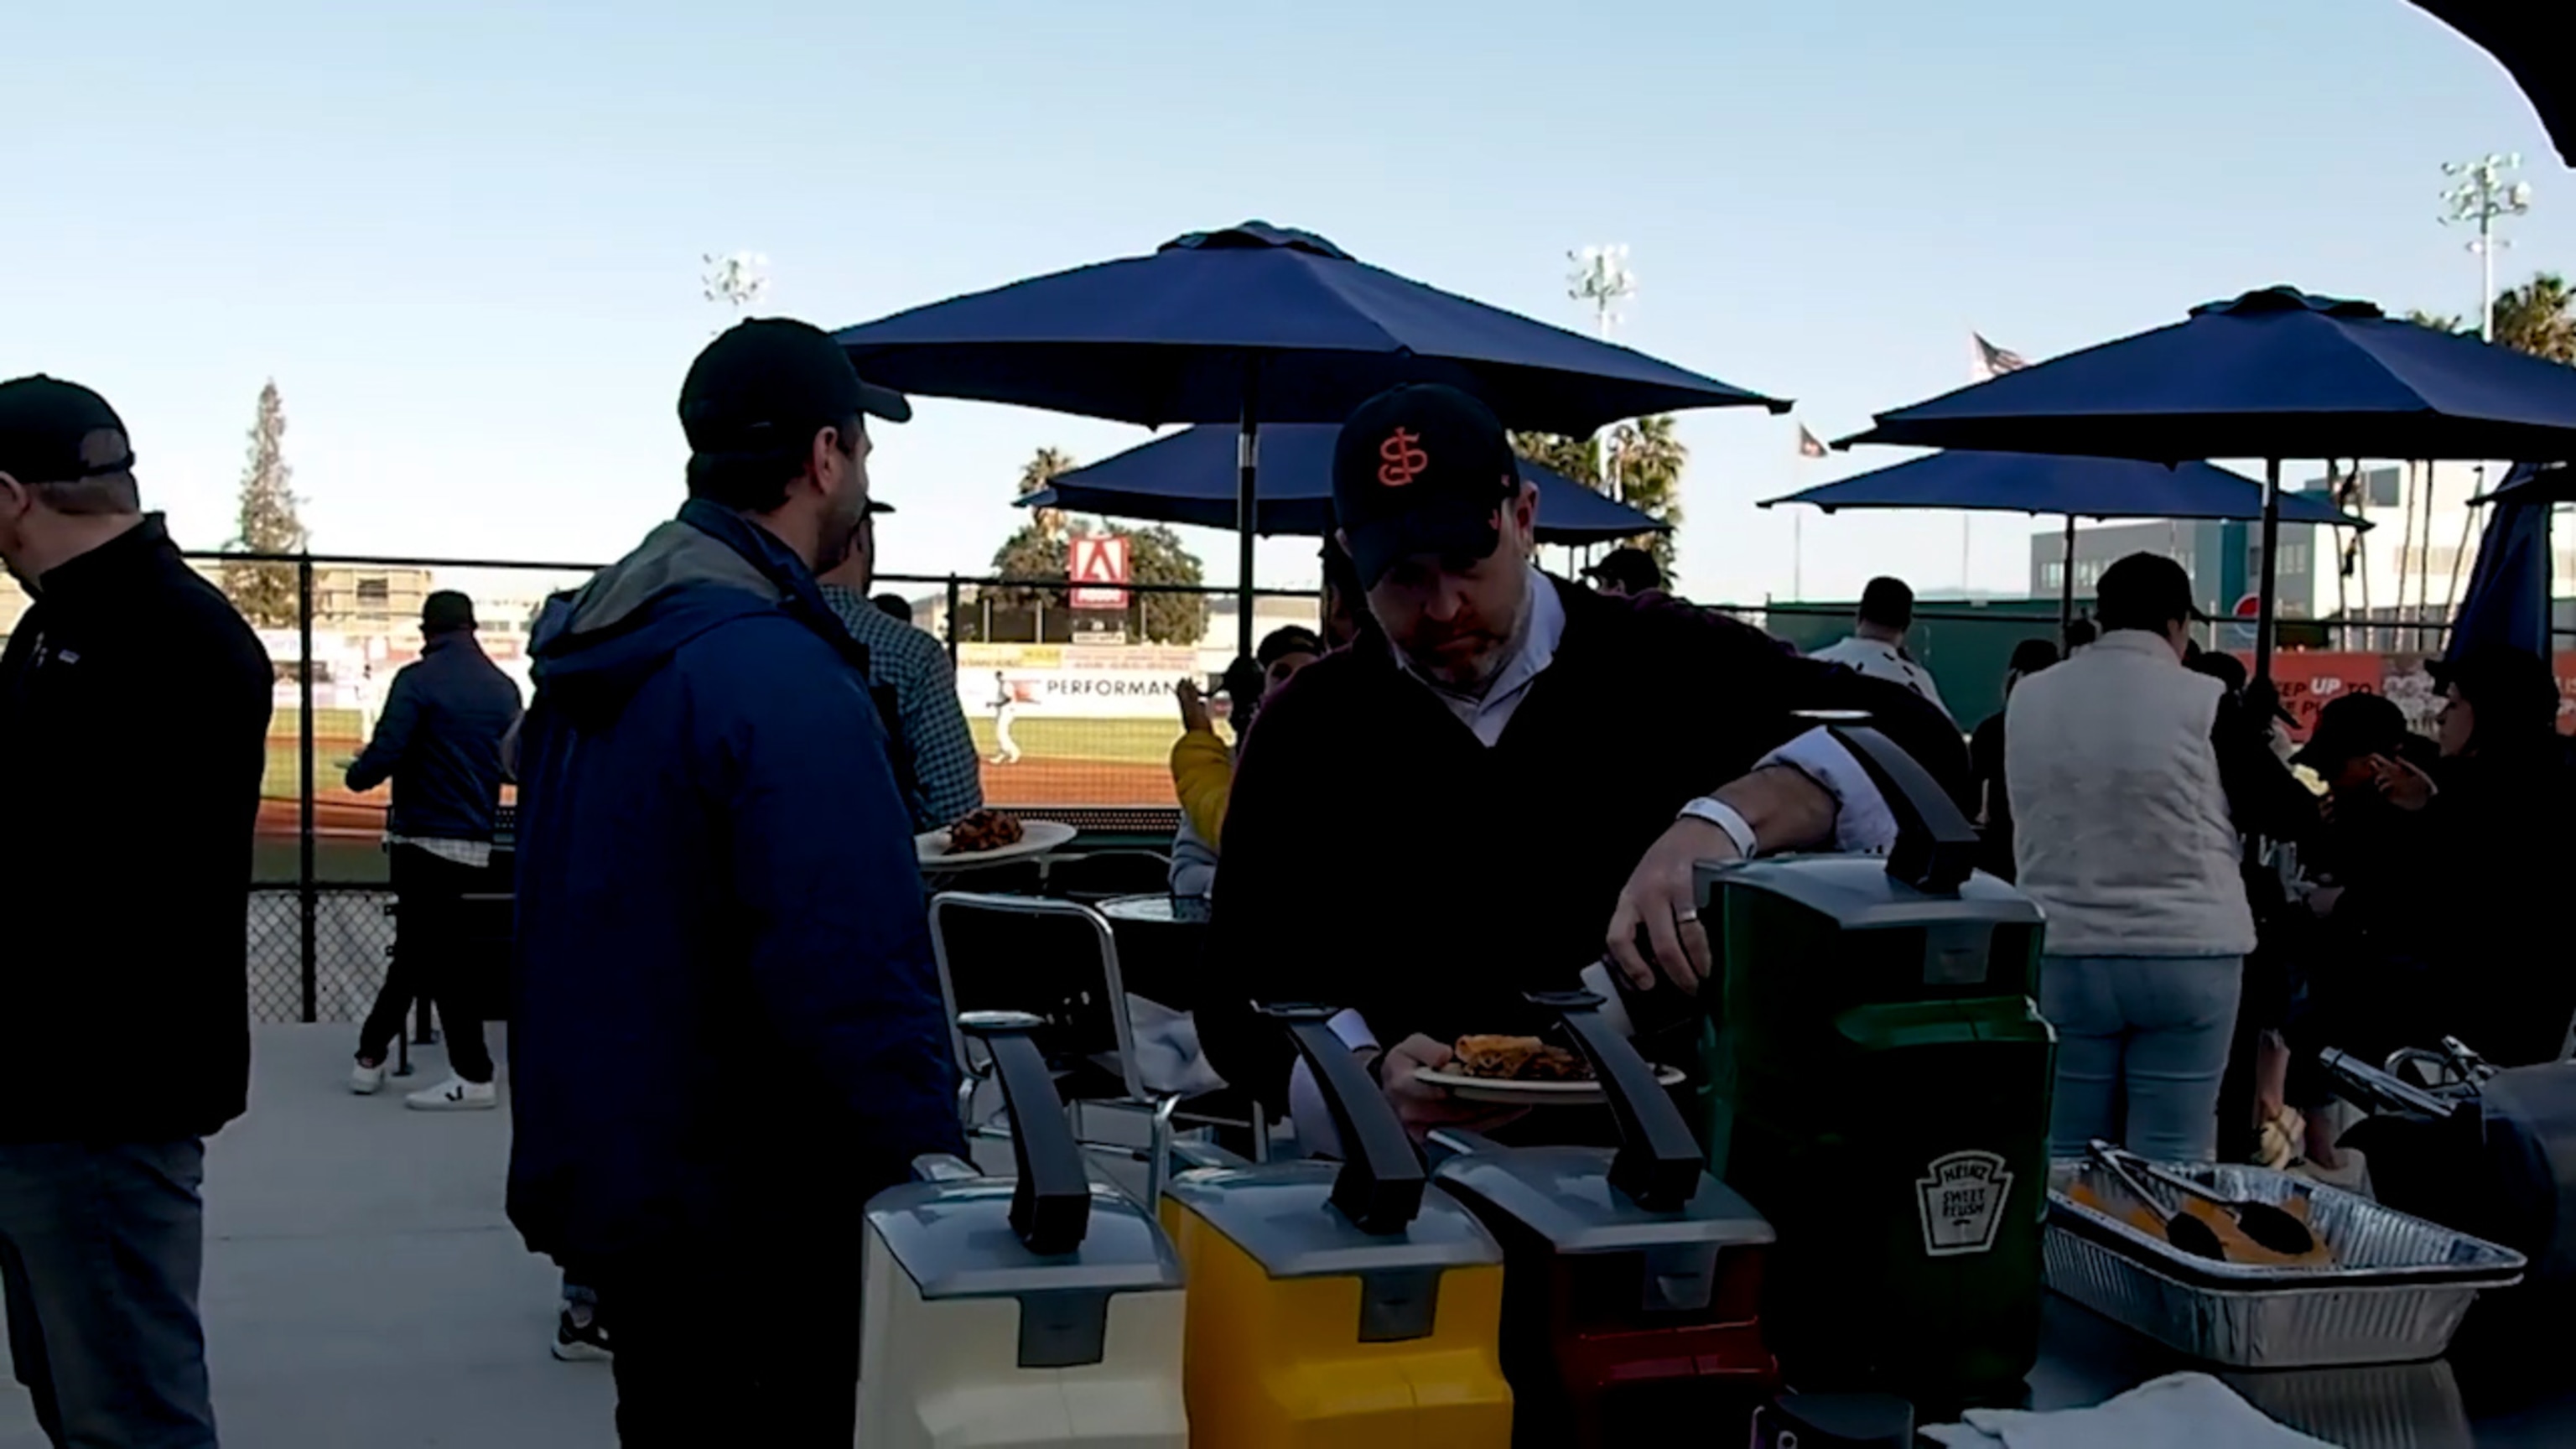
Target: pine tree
x,y
266,593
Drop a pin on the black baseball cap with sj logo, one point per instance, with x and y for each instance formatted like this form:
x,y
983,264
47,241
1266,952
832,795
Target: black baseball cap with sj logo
x,y
766,385
50,432
1421,469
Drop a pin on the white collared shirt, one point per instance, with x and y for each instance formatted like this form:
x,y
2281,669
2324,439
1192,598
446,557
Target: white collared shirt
x,y
1881,660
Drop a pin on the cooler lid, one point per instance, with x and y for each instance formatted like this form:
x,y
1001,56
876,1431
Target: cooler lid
x,y
954,1240
1855,891
1282,1216
1564,1195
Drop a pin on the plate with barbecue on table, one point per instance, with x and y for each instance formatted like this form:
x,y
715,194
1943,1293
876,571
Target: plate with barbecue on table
x,y
987,837
1521,1071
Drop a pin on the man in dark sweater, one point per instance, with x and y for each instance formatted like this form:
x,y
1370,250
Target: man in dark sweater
x,y
1469,786
134,709
439,742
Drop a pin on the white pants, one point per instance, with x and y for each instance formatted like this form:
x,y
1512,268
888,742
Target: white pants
x,y
1006,749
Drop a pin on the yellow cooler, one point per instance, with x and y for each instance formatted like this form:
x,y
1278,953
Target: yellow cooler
x,y
1045,1310
1349,1306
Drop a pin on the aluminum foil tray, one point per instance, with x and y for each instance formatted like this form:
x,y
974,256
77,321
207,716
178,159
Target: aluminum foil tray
x,y
2397,1292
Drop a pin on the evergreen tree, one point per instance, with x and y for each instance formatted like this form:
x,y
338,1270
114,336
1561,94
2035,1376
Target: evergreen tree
x,y
266,593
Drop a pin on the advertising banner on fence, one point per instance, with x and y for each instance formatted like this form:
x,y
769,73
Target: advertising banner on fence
x,y
2308,680
1071,681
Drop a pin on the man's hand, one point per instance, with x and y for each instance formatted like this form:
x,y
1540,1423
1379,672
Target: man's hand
x,y
1425,1109
1194,707
2406,786
1661,897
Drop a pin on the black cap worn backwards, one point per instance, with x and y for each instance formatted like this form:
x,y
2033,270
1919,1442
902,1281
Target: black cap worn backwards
x,y
2144,591
764,386
46,427
1421,469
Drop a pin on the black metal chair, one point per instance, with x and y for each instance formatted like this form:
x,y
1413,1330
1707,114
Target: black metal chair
x,y
1058,960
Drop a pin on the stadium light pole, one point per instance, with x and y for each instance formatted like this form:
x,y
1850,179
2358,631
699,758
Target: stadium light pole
x,y
736,279
2482,197
1602,281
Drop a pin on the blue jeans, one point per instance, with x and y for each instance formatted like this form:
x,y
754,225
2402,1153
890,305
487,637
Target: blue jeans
x,y
2142,1045
101,1246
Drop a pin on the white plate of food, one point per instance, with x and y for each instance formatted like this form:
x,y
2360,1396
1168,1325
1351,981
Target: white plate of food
x,y
988,837
1521,1071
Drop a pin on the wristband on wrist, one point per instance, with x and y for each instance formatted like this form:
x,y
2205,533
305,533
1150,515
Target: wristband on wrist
x,y
1725,817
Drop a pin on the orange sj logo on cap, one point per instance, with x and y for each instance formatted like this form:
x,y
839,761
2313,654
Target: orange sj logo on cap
x,y
1404,458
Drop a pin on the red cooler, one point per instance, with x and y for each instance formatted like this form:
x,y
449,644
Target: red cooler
x,y
1632,1278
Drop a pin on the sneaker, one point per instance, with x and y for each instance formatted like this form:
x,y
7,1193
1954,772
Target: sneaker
x,y
365,1080
579,1338
454,1095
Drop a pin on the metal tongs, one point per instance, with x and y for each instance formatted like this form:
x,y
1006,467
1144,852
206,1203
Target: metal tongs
x,y
2268,1226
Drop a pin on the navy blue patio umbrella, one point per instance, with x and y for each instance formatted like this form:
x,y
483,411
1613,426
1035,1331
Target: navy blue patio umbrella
x,y
1259,324
2272,374
2075,487
2508,597
1189,477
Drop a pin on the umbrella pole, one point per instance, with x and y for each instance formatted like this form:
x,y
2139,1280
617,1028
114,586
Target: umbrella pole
x,y
2263,607
1247,452
2066,584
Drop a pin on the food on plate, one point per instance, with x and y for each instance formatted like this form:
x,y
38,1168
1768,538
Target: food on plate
x,y
983,830
1517,1059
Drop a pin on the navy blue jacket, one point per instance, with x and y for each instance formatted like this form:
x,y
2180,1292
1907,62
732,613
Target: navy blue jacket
x,y
439,741
727,1021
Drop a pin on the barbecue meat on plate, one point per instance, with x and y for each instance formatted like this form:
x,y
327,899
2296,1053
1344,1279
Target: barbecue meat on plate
x,y
1517,1059
983,830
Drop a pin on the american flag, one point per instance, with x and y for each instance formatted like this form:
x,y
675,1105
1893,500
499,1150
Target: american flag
x,y
1988,362
1808,445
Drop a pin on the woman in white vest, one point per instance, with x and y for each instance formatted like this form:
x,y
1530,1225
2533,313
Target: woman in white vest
x,y
2125,840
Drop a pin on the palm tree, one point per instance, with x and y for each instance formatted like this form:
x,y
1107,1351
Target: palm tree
x,y
2538,317
1044,468
1648,459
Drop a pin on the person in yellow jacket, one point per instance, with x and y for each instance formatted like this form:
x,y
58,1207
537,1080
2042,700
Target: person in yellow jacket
x,y
1203,764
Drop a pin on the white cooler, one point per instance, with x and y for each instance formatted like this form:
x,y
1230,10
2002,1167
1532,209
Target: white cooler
x,y
1042,1310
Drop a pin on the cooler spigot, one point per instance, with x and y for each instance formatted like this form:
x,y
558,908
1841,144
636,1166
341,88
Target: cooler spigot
x,y
1936,847
1659,1162
1382,1177
1051,1200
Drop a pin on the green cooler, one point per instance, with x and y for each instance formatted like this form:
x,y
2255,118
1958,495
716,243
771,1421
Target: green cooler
x,y
1878,1088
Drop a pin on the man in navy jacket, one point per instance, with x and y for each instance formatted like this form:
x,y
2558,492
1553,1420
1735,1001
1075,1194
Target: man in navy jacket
x,y
727,1030
439,742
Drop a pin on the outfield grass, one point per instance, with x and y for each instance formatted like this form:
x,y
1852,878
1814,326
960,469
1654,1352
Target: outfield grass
x,y
1110,741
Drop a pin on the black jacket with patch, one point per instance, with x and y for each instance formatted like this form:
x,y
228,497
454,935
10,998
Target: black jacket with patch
x,y
134,708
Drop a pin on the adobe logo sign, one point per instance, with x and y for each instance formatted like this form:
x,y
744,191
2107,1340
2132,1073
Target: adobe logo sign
x,y
1098,568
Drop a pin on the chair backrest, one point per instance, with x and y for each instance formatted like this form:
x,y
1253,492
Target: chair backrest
x,y
1054,959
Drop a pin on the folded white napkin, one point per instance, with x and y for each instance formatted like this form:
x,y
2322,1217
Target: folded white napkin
x,y
2178,1411
1168,1058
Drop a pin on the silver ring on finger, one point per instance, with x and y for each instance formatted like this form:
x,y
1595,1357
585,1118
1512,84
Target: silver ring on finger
x,y
1685,917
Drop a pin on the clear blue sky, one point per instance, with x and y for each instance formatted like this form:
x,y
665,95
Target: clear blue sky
x,y
464,236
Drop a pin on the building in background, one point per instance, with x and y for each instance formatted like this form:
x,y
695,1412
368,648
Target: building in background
x,y
2224,559
2414,563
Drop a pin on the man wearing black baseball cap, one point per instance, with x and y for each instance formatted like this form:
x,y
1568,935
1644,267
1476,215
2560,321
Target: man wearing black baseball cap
x,y
727,1032
1625,572
438,740
1477,764
134,708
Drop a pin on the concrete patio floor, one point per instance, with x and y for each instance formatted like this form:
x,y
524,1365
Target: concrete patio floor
x,y
362,1289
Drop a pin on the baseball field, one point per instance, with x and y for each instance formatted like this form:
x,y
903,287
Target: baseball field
x,y
1100,762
